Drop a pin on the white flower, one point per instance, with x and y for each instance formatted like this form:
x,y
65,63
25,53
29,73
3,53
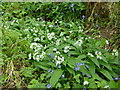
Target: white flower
x,y
80,30
42,37
58,62
35,34
70,31
114,50
106,86
90,54
42,55
37,24
85,83
50,35
107,42
98,54
67,36
61,58
58,42
26,30
64,38
60,22
36,39
54,49
79,42
89,37
57,52
86,38
116,53
37,57
29,56
32,45
99,57
34,55
50,25
43,21
45,47
79,27
38,18
112,53
66,49
61,34
58,59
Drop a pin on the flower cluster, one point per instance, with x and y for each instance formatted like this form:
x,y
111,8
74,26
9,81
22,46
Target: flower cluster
x,y
66,49
90,54
85,83
58,59
115,52
79,42
51,35
98,54
36,55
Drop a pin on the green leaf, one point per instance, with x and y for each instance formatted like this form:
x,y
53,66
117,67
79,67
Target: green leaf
x,y
70,70
67,85
58,85
104,59
77,78
34,84
98,43
42,76
81,57
72,53
84,70
72,62
113,84
115,61
95,61
92,71
91,68
106,73
106,65
92,85
42,65
95,76
77,86
55,77
27,71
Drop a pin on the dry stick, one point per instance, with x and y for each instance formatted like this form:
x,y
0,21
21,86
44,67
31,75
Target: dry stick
x,y
89,19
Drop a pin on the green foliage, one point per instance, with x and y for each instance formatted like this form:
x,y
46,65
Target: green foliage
x,y
47,44
55,77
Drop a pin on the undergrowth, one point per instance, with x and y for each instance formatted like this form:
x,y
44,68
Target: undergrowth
x,y
59,45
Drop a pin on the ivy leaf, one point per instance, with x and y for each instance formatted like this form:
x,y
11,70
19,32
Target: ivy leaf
x,y
55,77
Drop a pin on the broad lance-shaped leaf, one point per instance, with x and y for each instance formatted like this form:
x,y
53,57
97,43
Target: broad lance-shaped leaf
x,y
55,77
81,57
95,61
106,74
105,64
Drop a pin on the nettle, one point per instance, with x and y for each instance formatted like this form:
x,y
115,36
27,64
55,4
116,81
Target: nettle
x,y
68,58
